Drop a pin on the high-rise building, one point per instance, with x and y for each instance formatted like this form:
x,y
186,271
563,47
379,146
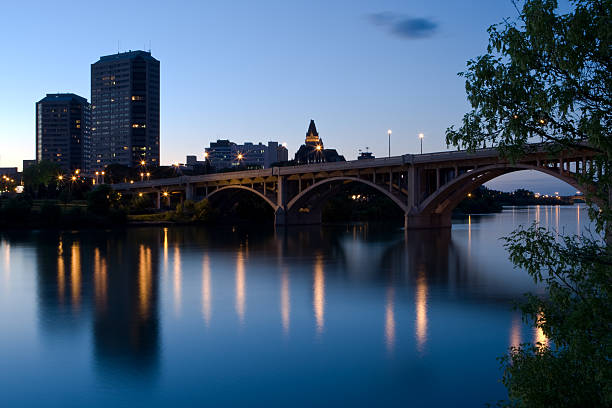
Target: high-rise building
x,y
62,130
125,110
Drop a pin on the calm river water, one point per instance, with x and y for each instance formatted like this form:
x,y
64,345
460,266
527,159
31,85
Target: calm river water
x,y
353,316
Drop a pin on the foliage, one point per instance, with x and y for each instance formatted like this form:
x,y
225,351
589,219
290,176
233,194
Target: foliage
x,y
16,211
102,200
190,211
576,318
548,76
40,176
50,213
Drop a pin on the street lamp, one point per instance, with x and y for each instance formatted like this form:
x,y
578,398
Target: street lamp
x,y
389,134
421,136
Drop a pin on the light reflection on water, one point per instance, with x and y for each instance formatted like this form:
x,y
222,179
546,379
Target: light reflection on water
x,y
365,316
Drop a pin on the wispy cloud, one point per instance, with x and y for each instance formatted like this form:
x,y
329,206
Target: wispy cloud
x,y
408,28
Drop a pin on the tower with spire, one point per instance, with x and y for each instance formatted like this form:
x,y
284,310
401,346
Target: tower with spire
x,y
312,150
312,136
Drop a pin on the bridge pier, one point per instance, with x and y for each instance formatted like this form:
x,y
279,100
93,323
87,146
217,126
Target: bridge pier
x,y
412,221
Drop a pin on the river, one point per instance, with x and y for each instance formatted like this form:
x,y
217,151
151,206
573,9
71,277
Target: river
x,y
353,315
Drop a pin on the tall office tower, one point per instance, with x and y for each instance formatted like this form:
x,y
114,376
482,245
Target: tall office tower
x,y
125,110
62,130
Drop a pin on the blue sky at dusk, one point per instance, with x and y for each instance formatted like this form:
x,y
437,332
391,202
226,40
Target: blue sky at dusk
x,y
259,71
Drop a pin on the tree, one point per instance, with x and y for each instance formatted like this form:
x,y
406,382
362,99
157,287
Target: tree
x,y
40,175
547,76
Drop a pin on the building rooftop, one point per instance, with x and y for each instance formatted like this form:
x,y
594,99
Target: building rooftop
x,y
63,97
126,55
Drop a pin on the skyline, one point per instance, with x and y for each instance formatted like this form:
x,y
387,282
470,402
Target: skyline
x,y
259,73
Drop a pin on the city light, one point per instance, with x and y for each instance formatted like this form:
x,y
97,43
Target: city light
x,y
165,194
60,177
206,155
142,162
240,156
318,147
73,178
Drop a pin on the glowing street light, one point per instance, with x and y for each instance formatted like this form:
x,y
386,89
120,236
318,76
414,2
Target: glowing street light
x,y
240,156
421,136
319,147
389,134
142,162
205,155
60,177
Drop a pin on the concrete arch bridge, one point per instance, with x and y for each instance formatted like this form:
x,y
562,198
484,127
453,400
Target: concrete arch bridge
x,y
426,187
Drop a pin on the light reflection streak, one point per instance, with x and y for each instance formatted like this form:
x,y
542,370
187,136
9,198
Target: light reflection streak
x,y
75,274
578,231
318,288
145,280
177,280
421,310
538,334
61,271
206,295
165,253
557,220
240,287
7,261
515,331
100,281
285,301
390,319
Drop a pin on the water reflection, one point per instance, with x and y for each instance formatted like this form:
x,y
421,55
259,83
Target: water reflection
x,y
538,334
61,271
318,294
145,284
421,310
285,301
75,275
177,280
206,308
515,330
114,279
240,287
100,280
390,319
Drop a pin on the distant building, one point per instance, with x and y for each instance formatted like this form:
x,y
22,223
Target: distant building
x,y
275,153
62,130
365,156
8,171
28,163
224,154
125,110
313,151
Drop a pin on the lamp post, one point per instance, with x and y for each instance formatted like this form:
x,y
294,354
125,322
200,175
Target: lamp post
x,y
389,134
421,136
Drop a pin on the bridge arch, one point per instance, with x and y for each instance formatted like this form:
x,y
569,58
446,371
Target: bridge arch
x,y
295,208
237,187
448,196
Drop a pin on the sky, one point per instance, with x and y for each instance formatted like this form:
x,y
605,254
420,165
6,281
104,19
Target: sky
x,y
259,71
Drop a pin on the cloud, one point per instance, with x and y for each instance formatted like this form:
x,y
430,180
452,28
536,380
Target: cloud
x,y
404,27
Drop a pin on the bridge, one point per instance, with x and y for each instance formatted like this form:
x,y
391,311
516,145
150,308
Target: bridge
x,y
426,187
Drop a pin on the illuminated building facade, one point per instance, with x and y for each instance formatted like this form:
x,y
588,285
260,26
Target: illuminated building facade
x,y
313,151
125,107
62,130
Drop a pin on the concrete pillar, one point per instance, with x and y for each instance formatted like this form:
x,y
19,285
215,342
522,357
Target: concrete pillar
x,y
189,191
158,200
427,221
280,217
410,188
583,165
390,181
374,176
560,165
456,171
281,192
299,184
437,178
